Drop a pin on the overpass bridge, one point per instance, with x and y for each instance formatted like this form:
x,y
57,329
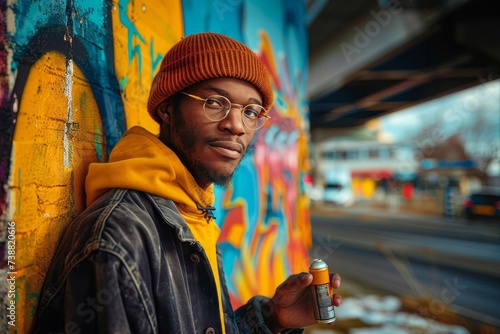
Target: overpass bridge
x,y
369,58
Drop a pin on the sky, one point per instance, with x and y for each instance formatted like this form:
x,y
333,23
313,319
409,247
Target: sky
x,y
475,113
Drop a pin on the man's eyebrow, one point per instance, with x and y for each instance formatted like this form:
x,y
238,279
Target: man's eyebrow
x,y
223,92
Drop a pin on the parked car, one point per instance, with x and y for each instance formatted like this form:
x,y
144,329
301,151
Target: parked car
x,y
483,204
338,187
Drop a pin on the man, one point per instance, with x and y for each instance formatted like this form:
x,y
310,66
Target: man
x,y
142,258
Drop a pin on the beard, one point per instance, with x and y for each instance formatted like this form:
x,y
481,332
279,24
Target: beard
x,y
186,140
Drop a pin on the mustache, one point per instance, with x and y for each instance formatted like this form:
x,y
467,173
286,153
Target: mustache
x,y
238,140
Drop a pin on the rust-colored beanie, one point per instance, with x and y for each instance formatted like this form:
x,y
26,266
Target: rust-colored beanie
x,y
204,56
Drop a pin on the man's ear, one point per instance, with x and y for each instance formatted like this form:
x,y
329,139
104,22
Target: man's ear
x,y
164,111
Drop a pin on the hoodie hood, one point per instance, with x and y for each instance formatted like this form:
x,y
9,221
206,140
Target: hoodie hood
x,y
140,161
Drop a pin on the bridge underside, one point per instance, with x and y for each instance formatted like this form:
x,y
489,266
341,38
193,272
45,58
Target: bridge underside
x,y
370,58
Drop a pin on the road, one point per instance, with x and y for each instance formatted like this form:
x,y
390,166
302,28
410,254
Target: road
x,y
448,262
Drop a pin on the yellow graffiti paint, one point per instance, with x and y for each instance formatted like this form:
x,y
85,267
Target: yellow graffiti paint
x,y
52,146
143,32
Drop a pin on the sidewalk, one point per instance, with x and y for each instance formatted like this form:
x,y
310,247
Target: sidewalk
x,y
428,207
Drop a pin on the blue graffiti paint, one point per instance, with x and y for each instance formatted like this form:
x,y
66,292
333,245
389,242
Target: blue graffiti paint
x,y
29,20
81,31
97,141
221,16
123,82
155,59
133,50
244,185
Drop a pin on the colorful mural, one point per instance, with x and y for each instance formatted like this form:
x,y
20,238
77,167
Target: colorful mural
x,y
75,75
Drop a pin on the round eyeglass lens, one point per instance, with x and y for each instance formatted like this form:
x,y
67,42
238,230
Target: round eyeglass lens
x,y
216,107
254,116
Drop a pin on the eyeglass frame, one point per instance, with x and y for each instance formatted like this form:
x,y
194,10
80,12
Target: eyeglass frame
x,y
231,105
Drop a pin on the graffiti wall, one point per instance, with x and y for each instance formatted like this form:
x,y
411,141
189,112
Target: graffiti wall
x,y
75,75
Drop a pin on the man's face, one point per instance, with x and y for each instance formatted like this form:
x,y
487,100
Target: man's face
x,y
210,150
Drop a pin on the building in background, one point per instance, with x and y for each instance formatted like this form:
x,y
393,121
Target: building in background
x,y
432,155
374,167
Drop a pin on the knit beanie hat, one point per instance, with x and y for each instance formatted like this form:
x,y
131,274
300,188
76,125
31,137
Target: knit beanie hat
x,y
204,56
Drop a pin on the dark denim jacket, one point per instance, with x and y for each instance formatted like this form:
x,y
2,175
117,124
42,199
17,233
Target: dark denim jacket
x,y
129,264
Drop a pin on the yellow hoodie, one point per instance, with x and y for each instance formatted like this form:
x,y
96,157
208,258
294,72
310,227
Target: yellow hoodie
x,y
140,161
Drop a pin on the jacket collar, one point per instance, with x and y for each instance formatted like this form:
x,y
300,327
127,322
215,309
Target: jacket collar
x,y
168,210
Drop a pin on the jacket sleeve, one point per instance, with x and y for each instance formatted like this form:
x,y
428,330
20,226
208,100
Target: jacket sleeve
x,y
98,296
250,318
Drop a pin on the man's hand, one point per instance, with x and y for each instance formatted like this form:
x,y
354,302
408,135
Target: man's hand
x,y
292,303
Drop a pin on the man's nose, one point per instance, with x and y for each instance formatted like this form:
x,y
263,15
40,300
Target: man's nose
x,y
234,120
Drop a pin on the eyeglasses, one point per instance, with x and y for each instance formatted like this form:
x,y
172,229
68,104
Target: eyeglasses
x,y
217,107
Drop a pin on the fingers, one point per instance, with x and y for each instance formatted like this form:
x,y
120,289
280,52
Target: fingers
x,y
335,281
337,300
305,278
301,280
298,281
291,288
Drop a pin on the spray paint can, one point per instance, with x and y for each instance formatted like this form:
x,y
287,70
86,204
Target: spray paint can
x,y
322,292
